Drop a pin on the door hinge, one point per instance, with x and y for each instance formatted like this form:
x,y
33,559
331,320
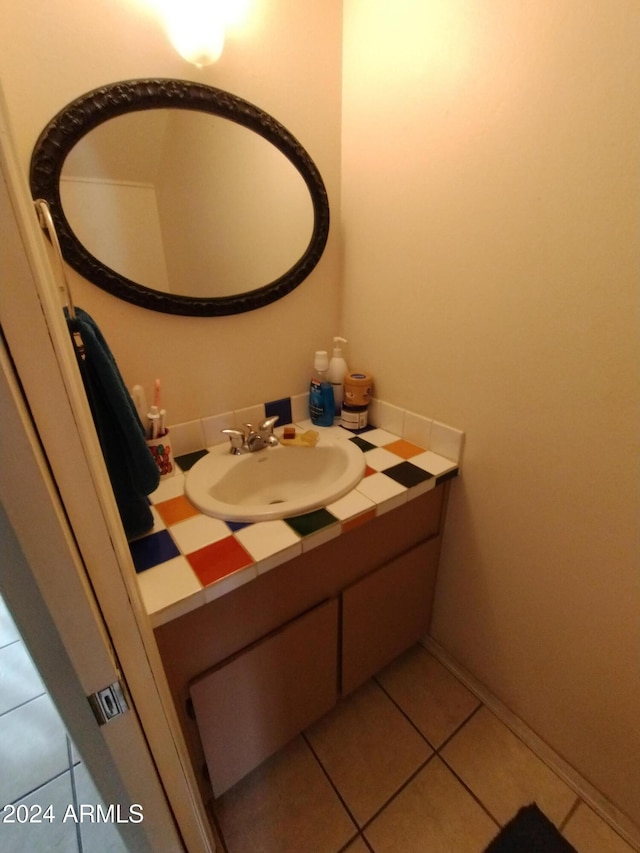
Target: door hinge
x,y
108,703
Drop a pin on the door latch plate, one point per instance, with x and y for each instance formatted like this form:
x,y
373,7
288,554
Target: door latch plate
x,y
108,703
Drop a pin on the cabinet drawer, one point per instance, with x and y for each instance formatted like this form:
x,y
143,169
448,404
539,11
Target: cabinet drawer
x,y
386,612
253,704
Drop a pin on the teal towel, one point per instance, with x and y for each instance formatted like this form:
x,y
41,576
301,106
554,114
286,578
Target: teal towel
x,y
131,467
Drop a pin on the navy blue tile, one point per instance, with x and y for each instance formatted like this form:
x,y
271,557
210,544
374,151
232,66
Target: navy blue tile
x,y
188,460
281,408
151,550
407,474
237,525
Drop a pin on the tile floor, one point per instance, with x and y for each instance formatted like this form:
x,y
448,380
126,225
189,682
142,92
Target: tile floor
x,y
411,761
39,765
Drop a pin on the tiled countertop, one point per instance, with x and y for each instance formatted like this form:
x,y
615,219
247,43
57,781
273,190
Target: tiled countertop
x,y
189,559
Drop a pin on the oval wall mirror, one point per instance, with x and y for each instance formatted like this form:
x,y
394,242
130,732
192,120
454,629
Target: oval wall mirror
x,y
181,198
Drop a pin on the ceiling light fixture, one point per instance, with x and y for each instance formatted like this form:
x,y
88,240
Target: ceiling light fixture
x,y
196,29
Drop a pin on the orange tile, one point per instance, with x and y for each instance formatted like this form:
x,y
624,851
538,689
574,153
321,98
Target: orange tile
x,y
358,520
175,509
404,448
218,560
368,471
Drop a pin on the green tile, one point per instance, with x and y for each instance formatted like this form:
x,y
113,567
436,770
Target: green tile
x,y
311,522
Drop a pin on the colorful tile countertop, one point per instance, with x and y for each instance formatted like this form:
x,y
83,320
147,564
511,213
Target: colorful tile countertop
x,y
189,559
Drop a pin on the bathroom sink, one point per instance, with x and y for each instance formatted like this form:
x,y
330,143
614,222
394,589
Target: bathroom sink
x,y
274,482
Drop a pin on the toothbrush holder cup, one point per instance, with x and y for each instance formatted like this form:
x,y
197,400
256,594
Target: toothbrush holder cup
x,y
160,448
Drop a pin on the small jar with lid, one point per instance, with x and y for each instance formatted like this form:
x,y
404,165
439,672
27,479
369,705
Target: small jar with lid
x,y
357,395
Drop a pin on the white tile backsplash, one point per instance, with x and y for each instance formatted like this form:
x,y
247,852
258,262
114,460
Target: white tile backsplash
x,y
447,441
251,415
417,429
213,428
300,407
186,437
386,416
388,422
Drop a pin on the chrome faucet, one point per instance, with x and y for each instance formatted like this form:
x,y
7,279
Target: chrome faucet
x,y
250,439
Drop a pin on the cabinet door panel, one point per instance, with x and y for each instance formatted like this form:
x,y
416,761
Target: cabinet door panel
x,y
386,612
253,704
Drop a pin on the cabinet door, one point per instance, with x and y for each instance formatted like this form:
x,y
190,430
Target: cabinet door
x,y
386,612
254,703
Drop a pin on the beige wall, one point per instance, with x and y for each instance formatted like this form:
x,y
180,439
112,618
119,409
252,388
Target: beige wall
x,y
490,212
491,208
287,60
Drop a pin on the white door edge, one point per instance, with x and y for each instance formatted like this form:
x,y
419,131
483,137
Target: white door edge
x,y
36,334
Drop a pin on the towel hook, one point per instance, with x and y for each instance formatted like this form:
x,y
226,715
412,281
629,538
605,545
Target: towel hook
x,y
46,223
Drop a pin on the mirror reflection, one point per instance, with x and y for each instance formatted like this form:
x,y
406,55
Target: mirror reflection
x,y
187,203
180,197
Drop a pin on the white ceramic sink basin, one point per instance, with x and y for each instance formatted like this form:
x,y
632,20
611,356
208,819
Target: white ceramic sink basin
x,y
274,482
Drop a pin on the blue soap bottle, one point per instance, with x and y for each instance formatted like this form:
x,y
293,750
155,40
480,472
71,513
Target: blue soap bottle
x,y
321,401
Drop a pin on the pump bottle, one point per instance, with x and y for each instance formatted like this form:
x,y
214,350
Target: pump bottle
x,y
321,403
336,373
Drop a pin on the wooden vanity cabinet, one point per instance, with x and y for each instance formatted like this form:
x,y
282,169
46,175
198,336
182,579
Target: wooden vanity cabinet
x,y
250,706
386,612
252,668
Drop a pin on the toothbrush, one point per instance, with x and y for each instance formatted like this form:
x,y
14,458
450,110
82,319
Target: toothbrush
x,y
154,418
156,407
157,415
139,401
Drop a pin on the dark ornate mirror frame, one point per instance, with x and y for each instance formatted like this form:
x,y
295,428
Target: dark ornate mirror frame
x,y
92,109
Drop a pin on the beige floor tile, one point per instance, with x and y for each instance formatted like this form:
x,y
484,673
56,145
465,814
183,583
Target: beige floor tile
x,y
33,748
284,806
590,834
502,772
51,835
434,812
434,699
18,676
96,836
368,748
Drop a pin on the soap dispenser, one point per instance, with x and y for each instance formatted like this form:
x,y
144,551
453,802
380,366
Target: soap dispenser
x,y
321,403
336,372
